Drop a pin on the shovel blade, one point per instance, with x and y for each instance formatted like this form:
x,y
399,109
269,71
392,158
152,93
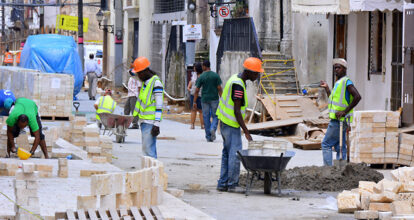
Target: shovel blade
x,y
340,163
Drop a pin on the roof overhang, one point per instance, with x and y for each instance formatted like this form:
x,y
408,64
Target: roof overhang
x,y
321,6
374,5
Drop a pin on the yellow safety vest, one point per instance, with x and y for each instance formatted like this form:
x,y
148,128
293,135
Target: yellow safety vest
x,y
225,110
106,105
337,100
145,105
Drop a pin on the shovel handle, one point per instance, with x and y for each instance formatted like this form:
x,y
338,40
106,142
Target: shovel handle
x,y
341,128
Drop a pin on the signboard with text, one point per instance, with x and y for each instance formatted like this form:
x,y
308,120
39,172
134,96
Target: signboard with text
x,y
70,23
192,32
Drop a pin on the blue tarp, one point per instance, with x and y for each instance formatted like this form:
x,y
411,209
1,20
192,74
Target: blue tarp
x,y
52,53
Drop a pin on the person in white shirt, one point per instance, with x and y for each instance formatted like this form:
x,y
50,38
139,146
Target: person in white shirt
x,y
93,71
134,86
198,70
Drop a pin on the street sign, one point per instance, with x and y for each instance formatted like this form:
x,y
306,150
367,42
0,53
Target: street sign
x,y
224,11
192,32
70,23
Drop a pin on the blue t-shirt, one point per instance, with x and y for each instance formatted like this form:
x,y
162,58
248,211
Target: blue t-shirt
x,y
4,94
347,94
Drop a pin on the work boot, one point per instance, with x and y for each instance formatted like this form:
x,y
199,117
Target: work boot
x,y
213,135
221,188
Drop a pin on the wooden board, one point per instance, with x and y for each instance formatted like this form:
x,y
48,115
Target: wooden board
x,y
274,124
152,213
270,107
307,145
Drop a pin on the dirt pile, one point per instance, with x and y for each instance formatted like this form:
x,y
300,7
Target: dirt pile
x,y
314,178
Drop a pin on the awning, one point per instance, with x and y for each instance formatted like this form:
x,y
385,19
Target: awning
x,y
321,6
373,5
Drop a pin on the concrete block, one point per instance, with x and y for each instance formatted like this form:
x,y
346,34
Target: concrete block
x,y
86,202
147,179
383,197
406,197
26,176
137,198
108,201
43,174
366,214
86,173
156,195
407,187
28,167
133,181
32,184
42,167
63,162
366,186
94,150
401,208
98,159
19,184
123,199
377,206
146,197
34,202
348,202
180,193
385,215
117,184
404,217
63,172
155,176
101,184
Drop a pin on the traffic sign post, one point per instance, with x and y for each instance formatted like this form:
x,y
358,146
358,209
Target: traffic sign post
x,y
224,11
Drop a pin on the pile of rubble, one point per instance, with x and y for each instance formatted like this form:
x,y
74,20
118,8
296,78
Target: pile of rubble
x,y
387,199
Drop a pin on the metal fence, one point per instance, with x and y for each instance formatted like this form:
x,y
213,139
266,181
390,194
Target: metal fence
x,y
168,6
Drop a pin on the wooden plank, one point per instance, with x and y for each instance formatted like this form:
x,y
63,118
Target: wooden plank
x,y
289,105
70,214
102,214
269,106
135,213
147,213
273,124
127,218
92,214
307,145
81,214
123,211
294,111
157,213
114,214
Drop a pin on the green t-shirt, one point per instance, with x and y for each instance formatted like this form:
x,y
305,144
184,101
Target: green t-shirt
x,y
27,107
209,81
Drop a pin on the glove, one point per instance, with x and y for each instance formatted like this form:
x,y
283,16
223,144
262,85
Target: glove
x,y
155,131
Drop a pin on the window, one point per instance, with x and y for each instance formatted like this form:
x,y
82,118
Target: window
x,y
376,55
168,6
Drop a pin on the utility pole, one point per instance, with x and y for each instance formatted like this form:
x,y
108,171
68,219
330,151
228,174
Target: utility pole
x,y
3,34
119,68
105,43
80,31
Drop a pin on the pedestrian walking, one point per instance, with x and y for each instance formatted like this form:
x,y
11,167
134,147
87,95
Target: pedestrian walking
x,y
231,112
210,83
134,86
198,69
342,101
149,105
93,71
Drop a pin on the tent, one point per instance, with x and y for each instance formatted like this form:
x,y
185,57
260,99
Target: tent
x,y
53,53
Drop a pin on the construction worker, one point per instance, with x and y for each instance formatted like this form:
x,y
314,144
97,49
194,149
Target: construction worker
x,y
8,58
105,104
149,105
7,99
18,54
25,112
231,113
342,101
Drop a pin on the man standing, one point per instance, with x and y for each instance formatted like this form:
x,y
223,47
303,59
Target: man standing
x,y
8,58
93,72
210,83
342,100
149,105
23,113
7,99
134,85
105,104
231,113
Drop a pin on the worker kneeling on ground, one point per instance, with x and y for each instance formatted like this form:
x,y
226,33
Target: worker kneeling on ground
x,y
7,99
149,105
105,104
25,112
342,100
231,113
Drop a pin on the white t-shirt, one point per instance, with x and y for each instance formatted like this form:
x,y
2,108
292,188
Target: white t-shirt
x,y
133,85
193,84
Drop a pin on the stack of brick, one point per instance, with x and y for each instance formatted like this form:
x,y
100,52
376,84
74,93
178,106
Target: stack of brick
x,y
405,153
66,130
51,135
382,200
25,189
8,169
91,139
3,140
23,141
45,171
105,142
138,188
374,137
63,170
78,137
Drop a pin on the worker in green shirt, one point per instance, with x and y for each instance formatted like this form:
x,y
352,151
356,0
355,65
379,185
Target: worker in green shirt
x,y
24,112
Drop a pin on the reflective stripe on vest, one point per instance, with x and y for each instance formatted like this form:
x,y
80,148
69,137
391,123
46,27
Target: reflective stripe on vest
x,y
225,110
145,105
337,100
103,106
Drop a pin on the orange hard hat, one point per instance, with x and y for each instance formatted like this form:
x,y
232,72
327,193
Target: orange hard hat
x,y
140,64
253,64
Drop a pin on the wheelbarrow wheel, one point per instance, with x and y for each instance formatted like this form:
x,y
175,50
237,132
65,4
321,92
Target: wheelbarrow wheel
x,y
119,139
267,182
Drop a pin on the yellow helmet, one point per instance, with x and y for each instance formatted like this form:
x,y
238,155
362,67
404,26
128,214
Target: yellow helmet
x,y
23,154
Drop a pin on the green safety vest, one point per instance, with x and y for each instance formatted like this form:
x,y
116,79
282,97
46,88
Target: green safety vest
x,y
225,110
338,102
145,105
106,105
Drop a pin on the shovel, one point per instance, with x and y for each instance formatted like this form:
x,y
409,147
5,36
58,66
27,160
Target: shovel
x,y
340,163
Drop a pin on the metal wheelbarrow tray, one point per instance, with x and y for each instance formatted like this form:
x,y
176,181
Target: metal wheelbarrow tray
x,y
256,164
116,124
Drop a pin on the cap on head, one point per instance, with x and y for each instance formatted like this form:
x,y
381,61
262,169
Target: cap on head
x,y
253,64
8,103
140,64
340,61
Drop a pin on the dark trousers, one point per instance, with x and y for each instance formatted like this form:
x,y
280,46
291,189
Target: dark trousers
x,y
129,108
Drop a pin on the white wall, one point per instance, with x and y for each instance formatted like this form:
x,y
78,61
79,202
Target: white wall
x,y
145,28
214,41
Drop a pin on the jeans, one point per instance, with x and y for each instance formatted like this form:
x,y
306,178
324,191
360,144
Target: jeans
x,y
230,164
149,142
331,139
209,110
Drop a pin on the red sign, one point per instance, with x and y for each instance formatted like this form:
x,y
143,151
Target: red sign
x,y
224,11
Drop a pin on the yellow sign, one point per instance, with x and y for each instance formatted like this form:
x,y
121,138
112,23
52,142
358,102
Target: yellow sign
x,y
70,23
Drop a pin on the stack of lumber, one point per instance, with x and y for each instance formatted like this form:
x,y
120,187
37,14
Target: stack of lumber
x,y
374,137
387,199
53,93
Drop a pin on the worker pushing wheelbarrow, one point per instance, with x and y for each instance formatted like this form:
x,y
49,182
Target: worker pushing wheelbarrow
x,y
116,124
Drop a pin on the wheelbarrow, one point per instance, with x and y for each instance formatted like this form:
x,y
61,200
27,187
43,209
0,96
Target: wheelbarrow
x,y
116,124
256,165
